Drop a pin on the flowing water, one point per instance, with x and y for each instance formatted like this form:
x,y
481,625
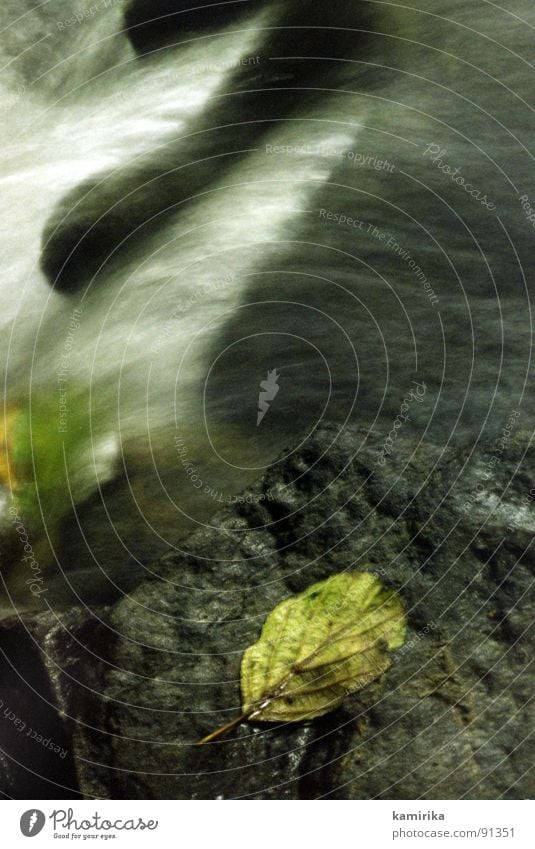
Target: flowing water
x,y
183,219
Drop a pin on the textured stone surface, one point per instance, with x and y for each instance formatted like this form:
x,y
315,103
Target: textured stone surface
x,y
141,681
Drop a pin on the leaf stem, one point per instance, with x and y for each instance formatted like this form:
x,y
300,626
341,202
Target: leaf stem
x,y
224,728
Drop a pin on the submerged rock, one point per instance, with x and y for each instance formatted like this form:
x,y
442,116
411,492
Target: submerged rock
x,y
451,530
152,24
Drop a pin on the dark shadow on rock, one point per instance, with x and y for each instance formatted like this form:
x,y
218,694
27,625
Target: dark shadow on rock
x,y
36,753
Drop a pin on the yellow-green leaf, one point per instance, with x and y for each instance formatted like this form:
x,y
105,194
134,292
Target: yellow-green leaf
x,y
317,647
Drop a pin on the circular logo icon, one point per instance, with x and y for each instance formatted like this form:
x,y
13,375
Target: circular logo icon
x,y
32,822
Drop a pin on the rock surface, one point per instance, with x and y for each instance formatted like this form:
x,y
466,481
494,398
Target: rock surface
x,y
452,531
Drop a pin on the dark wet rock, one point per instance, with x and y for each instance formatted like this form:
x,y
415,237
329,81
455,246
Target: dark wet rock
x,y
108,219
36,759
451,530
152,24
